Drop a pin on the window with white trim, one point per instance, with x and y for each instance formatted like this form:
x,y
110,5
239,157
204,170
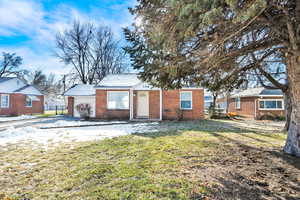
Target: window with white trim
x,y
118,100
4,101
28,102
270,104
186,100
238,102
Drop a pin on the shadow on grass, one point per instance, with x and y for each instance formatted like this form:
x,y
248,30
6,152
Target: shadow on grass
x,y
173,128
238,186
260,164
292,160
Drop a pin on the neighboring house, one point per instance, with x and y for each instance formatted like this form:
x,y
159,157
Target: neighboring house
x,y
208,99
54,101
18,98
255,102
124,96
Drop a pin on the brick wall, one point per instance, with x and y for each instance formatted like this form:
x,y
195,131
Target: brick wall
x,y
101,107
246,109
171,105
154,104
71,106
248,106
17,106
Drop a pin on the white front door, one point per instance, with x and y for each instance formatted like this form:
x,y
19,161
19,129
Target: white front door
x,y
143,104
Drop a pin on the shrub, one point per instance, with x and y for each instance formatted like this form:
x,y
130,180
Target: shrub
x,y
179,114
84,110
267,116
280,118
232,114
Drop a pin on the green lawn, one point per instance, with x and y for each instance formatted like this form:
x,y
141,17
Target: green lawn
x,y
200,160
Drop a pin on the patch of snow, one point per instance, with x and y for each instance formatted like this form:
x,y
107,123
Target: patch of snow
x,y
55,136
65,123
126,80
22,117
81,90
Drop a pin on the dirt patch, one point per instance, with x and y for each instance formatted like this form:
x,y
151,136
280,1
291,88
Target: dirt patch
x,y
244,172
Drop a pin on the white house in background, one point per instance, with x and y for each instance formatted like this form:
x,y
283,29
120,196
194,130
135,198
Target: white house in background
x,y
208,99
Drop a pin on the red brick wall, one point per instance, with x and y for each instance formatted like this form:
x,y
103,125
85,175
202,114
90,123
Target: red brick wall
x,y
17,106
101,107
248,106
71,106
171,105
154,104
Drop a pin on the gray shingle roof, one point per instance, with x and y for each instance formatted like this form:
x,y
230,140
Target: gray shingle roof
x,y
271,92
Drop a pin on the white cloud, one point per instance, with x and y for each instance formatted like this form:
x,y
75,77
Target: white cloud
x,y
20,16
28,17
33,60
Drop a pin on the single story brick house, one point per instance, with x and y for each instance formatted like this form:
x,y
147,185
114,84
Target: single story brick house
x,y
19,98
124,96
254,102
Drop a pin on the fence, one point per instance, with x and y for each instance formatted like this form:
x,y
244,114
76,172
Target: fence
x,y
57,110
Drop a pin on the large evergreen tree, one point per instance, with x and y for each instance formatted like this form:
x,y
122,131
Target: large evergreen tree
x,y
180,40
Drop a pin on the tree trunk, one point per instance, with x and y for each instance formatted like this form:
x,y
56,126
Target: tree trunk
x,y
292,145
288,109
214,103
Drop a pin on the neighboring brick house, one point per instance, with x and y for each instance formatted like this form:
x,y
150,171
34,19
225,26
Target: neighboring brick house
x,y
18,98
254,103
124,96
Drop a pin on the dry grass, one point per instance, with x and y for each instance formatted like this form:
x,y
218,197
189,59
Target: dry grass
x,y
193,160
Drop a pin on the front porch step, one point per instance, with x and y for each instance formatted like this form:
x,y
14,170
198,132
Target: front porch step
x,y
144,119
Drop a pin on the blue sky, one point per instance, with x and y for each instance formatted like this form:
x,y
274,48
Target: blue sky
x,y
28,27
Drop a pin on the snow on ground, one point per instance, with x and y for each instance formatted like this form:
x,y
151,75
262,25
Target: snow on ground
x,y
65,123
22,117
47,137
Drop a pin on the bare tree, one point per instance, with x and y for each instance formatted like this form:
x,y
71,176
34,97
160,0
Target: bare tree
x,y
91,51
45,83
9,64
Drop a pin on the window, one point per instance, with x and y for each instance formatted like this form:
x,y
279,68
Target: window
x,y
186,100
271,104
4,101
238,102
208,98
118,100
28,102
